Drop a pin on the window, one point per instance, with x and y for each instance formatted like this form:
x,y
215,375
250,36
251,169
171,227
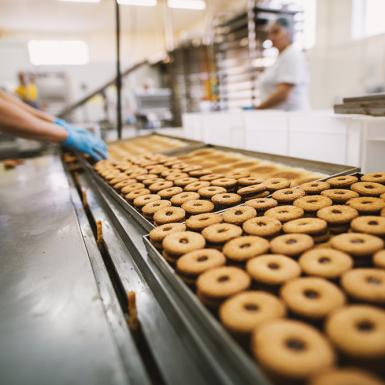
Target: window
x,y
309,19
58,52
368,18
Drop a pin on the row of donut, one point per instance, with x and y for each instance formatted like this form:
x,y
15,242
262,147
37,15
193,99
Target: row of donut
x,y
157,178
215,270
217,161
143,145
224,162
270,287
151,182
308,211
329,261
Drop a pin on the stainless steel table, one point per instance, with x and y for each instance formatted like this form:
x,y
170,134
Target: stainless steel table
x,y
53,328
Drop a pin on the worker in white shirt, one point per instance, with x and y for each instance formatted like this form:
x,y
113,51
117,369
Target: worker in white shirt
x,y
284,85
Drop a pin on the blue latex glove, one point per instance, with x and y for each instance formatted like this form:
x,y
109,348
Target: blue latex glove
x,y
82,140
64,124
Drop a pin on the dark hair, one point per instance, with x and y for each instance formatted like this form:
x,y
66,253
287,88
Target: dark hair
x,y
286,23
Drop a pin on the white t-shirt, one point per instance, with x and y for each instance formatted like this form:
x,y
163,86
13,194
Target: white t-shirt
x,y
290,67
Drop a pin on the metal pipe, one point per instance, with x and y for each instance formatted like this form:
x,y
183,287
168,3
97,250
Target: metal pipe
x,y
118,72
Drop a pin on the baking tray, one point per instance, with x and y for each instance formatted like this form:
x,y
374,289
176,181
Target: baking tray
x,y
330,169
101,183
190,144
246,371
321,167
209,325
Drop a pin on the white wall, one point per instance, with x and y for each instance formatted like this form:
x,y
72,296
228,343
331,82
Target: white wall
x,y
14,57
341,66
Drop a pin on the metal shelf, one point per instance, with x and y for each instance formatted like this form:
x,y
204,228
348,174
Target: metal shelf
x,y
228,35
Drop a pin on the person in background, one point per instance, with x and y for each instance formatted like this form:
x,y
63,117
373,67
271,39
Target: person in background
x,y
20,119
27,89
284,85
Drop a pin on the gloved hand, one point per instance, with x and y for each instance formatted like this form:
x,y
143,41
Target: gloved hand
x,y
79,139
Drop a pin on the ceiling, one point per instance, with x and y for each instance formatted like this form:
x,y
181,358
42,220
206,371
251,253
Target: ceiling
x,y
18,16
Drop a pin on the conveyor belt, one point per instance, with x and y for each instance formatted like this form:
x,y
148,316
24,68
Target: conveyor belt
x,y
53,325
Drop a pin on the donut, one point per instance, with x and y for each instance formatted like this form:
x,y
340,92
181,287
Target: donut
x,y
291,349
179,199
169,215
325,262
198,206
291,244
342,181
315,187
345,376
200,221
288,195
177,244
285,213
243,248
221,232
312,203
366,284
357,244
312,297
216,285
244,312
262,226
272,269
196,262
339,196
238,215
358,331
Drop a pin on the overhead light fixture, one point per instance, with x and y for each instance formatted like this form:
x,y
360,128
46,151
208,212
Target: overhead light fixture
x,y
81,1
139,3
196,5
58,52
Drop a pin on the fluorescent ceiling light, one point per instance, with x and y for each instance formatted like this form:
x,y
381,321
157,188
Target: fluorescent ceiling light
x,y
58,52
187,4
81,1
140,3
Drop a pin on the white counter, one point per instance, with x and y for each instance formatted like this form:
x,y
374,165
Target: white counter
x,y
353,140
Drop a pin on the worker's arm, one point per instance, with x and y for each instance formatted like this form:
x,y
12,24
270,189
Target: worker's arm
x,y
279,96
37,113
17,121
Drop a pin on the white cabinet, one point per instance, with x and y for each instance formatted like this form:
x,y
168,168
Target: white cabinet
x,y
372,144
266,132
224,128
193,126
318,137
352,140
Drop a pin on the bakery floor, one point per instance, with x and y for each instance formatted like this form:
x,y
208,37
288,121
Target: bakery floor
x,y
63,295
